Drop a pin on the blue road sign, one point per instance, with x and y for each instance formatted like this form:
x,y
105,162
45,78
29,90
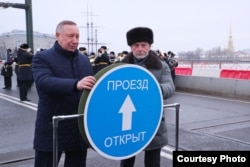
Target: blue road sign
x,y
123,111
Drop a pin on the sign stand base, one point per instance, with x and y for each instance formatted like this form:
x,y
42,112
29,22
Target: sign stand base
x,y
56,120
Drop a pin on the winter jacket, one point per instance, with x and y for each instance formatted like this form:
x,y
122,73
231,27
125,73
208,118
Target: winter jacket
x,y
162,73
56,73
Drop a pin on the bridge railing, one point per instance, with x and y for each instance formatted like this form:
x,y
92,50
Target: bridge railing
x,y
214,64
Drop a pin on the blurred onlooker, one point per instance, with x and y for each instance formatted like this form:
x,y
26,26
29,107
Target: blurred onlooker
x,y
112,57
170,60
162,55
101,60
122,55
16,70
83,51
7,70
172,63
92,58
104,49
40,50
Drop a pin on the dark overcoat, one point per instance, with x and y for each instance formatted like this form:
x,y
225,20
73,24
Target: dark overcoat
x,y
56,72
162,73
24,60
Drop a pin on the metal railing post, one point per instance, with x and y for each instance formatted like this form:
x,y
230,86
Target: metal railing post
x,y
177,109
55,153
55,120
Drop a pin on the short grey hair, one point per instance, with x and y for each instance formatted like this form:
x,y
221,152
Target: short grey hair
x,y
63,23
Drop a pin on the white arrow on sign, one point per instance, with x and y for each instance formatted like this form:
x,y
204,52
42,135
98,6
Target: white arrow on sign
x,y
126,109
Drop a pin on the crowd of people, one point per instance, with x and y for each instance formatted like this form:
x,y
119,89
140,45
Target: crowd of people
x,y
104,58
59,88
98,61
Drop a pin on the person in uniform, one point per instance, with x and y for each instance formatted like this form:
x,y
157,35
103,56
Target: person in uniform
x,y
121,56
24,60
102,59
7,71
112,57
83,51
172,63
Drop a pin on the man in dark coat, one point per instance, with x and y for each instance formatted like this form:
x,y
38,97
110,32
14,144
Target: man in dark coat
x,y
140,39
24,60
61,73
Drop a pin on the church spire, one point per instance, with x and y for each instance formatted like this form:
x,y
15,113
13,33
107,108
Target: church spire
x,y
230,45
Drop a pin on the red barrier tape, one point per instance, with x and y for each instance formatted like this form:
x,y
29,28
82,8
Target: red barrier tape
x,y
183,71
235,74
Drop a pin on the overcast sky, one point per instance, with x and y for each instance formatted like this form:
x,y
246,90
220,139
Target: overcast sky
x,y
178,25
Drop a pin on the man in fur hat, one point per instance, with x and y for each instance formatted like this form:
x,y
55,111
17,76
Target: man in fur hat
x,y
140,40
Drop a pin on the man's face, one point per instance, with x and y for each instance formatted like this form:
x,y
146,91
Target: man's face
x,y
140,49
68,38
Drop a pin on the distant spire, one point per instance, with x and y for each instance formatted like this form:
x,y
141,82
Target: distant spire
x,y
230,45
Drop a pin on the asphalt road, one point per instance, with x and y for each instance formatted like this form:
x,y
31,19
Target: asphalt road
x,y
206,123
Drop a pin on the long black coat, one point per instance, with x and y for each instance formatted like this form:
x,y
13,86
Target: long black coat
x,y
24,72
56,72
162,73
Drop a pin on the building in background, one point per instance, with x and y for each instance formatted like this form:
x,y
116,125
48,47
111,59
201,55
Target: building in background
x,y
15,38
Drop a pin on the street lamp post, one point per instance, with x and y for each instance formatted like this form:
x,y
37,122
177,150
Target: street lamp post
x,y
28,12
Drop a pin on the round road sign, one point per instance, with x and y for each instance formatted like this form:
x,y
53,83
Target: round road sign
x,y
122,112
